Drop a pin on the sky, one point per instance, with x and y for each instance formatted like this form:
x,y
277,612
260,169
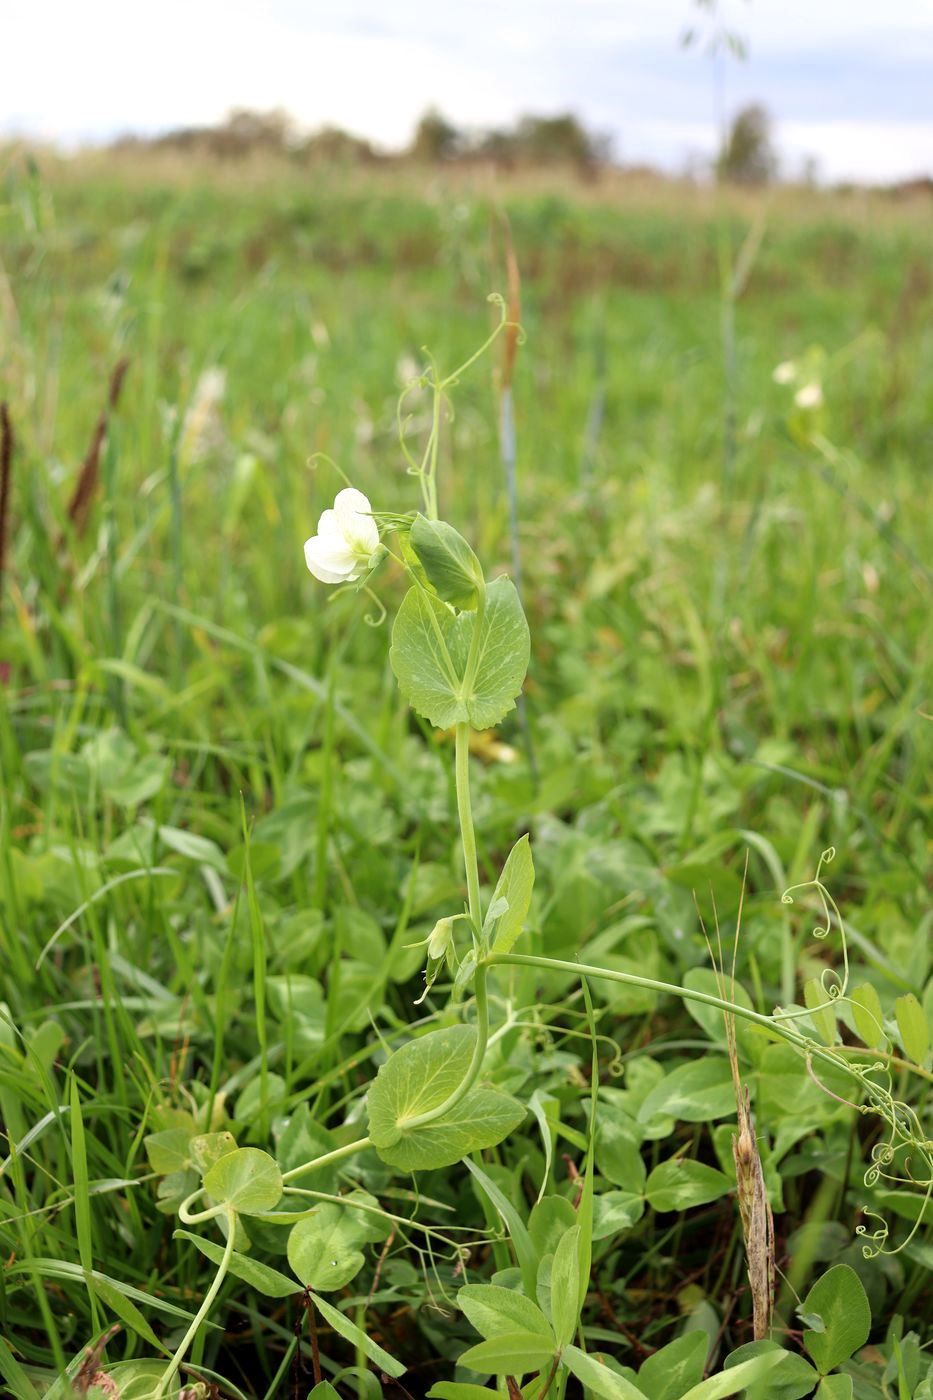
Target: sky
x,y
848,82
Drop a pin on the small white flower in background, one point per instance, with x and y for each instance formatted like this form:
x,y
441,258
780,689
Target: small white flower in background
x,y
785,372
202,431
346,538
809,395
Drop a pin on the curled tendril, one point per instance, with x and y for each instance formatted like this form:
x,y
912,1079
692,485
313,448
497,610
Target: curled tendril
x,y
894,1160
834,985
877,1237
378,618
317,458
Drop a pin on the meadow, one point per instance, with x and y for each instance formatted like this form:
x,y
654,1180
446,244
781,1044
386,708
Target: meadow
x,y
225,837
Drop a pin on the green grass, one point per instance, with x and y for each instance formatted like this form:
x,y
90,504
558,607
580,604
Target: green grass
x,y
220,828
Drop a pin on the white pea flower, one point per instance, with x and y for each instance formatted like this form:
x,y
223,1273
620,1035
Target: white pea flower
x,y
785,372
346,538
809,396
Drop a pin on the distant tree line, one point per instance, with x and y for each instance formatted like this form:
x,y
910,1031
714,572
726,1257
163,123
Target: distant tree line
x,y
532,142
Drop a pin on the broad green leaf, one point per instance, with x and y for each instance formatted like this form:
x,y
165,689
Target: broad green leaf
x,y
208,1148
323,1391
430,648
675,1368
565,1286
482,1118
460,1390
912,1027
868,1016
493,1311
614,1211
194,847
839,1300
322,1250
353,1334
449,563
737,1378
510,1354
549,1219
793,1379
618,1150
169,1151
824,1019
603,1382
681,1183
514,887
696,1092
248,1180
417,1079
835,1388
262,1277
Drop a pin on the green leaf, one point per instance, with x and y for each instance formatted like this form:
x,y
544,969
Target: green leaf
x,y
835,1388
912,1027
194,847
839,1300
430,648
614,1211
126,1310
676,1367
792,1379
266,1280
247,1179
14,1375
736,1378
548,1221
824,1019
682,1183
460,1390
494,1311
323,1391
169,1151
704,979
521,1240
606,1384
207,1148
449,563
565,1286
415,1080
696,1092
514,887
868,1016
322,1250
510,1354
353,1334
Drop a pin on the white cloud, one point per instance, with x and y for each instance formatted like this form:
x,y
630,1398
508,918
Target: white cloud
x,y
839,72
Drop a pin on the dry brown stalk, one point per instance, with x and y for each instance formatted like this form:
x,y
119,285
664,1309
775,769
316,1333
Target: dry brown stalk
x,y
79,507
6,468
754,1208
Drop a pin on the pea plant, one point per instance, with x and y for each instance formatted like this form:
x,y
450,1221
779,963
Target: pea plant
x,y
443,1096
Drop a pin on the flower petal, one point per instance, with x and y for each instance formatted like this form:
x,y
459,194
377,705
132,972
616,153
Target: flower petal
x,y
327,563
353,511
329,527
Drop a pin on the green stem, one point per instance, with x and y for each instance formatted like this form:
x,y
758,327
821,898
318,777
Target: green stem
x,y
631,979
167,1379
467,834
337,1155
